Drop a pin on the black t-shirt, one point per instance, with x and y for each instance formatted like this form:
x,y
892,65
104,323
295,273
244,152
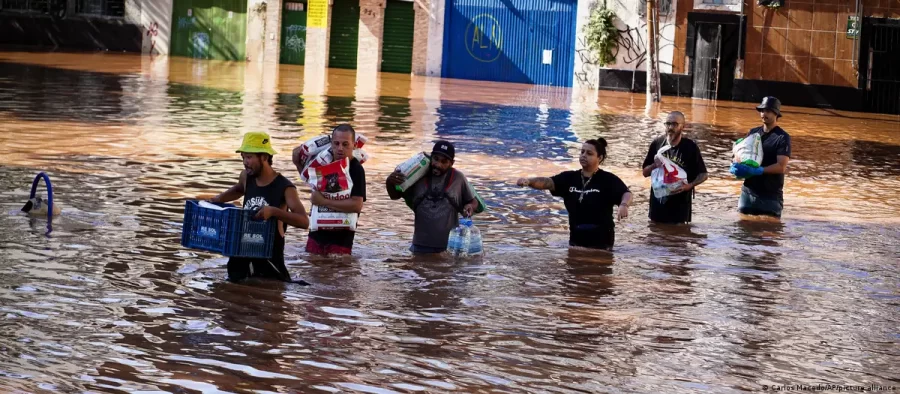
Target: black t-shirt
x,y
774,143
677,207
344,238
590,220
256,197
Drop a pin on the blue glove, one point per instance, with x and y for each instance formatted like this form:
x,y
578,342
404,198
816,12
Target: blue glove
x,y
754,171
738,170
742,171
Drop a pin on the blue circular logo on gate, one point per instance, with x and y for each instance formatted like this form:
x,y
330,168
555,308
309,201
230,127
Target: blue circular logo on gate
x,y
484,39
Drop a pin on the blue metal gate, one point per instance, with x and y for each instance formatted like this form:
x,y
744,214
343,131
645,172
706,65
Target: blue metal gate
x,y
527,41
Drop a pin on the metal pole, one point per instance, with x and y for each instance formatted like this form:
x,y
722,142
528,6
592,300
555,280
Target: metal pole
x,y
649,87
853,61
656,70
652,77
718,61
741,25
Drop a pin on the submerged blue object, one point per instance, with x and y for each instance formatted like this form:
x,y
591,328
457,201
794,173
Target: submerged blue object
x,y
49,186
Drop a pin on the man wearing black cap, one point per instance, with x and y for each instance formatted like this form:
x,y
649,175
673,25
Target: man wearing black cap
x,y
437,200
763,190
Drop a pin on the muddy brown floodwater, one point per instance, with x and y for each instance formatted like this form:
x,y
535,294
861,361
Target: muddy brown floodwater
x,y
110,302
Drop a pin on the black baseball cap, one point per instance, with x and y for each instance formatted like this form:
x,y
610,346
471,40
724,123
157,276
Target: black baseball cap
x,y
770,103
445,148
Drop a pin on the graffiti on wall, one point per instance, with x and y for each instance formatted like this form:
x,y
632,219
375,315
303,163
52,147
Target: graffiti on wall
x,y
589,64
152,32
294,29
632,48
295,44
200,45
185,22
631,51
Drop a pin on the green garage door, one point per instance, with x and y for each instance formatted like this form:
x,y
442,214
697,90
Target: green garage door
x,y
344,34
293,33
396,55
209,29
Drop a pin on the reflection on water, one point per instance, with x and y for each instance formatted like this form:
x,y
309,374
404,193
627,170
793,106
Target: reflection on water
x,y
110,302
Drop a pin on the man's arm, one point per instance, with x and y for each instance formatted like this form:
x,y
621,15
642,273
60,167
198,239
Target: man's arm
x,y
650,162
779,167
470,207
233,193
295,217
648,170
539,183
393,180
700,179
353,205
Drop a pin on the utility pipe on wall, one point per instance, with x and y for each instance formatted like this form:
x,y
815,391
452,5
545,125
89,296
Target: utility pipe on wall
x,y
854,60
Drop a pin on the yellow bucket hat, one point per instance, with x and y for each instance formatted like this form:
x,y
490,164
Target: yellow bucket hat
x,y
257,142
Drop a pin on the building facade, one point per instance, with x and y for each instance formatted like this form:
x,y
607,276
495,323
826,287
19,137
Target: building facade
x,y
829,53
820,53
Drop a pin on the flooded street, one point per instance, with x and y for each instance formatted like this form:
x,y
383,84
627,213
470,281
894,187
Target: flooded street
x,y
110,302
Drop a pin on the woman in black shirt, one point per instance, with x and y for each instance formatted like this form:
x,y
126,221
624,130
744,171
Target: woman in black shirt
x,y
589,195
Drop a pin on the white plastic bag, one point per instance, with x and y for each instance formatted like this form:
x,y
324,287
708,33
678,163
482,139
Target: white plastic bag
x,y
413,169
334,182
668,178
748,150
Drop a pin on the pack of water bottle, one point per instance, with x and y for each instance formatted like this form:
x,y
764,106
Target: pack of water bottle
x,y
465,240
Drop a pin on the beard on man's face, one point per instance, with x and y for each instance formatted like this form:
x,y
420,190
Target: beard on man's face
x,y
671,136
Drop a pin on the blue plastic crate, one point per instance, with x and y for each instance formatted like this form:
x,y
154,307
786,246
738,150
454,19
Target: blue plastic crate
x,y
231,232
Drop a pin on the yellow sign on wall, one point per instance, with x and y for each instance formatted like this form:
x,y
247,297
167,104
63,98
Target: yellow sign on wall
x,y
317,16
484,39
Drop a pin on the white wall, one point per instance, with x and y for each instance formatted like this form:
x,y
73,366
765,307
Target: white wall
x,y
631,52
156,25
586,73
256,31
133,11
435,39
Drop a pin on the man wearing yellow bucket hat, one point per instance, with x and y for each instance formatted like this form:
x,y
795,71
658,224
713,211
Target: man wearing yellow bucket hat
x,y
274,196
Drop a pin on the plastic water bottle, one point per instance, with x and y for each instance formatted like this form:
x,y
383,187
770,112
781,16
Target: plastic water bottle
x,y
465,237
475,246
454,241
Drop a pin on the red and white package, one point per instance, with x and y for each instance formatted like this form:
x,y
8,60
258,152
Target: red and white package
x,y
313,147
361,155
309,149
326,157
334,182
360,141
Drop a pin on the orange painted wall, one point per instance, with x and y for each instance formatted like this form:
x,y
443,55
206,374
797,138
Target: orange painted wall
x,y
805,41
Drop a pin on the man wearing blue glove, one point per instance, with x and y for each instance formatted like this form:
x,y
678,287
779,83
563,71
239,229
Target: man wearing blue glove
x,y
763,190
